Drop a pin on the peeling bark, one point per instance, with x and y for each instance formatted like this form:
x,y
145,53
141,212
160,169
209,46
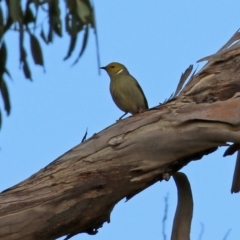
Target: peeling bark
x,y
184,211
77,192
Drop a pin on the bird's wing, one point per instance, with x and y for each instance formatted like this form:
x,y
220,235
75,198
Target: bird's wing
x,y
139,87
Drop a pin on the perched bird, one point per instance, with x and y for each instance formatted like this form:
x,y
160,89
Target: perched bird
x,y
125,90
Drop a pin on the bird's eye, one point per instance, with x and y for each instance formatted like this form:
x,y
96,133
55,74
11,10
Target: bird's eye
x,y
112,66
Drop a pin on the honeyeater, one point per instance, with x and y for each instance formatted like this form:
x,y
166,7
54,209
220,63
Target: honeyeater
x,y
125,90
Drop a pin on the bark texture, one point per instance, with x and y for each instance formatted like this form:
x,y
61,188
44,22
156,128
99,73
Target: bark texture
x,y
77,192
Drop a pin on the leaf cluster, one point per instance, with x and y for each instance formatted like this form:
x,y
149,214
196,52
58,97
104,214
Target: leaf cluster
x,y
28,19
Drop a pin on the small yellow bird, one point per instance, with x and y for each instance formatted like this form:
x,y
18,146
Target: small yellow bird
x,y
125,90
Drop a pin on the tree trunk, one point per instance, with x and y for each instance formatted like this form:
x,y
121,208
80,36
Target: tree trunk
x,y
77,192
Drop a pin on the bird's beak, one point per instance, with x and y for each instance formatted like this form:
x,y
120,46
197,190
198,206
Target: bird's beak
x,y
103,68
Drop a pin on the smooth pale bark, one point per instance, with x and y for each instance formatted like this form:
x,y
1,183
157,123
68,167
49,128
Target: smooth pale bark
x,y
184,211
77,192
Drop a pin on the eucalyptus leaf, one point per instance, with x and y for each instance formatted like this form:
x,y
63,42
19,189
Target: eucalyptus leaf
x,y
36,50
5,96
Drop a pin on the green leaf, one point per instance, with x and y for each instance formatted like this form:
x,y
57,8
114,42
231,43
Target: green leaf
x,y
8,73
50,33
43,36
1,23
71,46
5,96
0,119
71,5
85,39
23,54
72,22
27,71
67,25
58,29
36,50
76,25
1,17
37,3
15,10
24,63
28,16
83,10
3,58
55,23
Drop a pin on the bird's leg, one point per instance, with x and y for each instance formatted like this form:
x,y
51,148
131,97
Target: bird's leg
x,y
123,116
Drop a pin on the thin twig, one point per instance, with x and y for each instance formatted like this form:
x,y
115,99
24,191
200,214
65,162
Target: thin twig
x,y
164,220
201,232
227,234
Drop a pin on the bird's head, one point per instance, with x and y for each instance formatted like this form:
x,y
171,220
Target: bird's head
x,y
115,68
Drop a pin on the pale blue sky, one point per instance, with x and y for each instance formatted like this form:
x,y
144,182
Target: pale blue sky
x,y
156,40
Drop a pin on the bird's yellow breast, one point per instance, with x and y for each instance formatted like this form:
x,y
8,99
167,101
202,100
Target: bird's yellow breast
x,y
127,95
